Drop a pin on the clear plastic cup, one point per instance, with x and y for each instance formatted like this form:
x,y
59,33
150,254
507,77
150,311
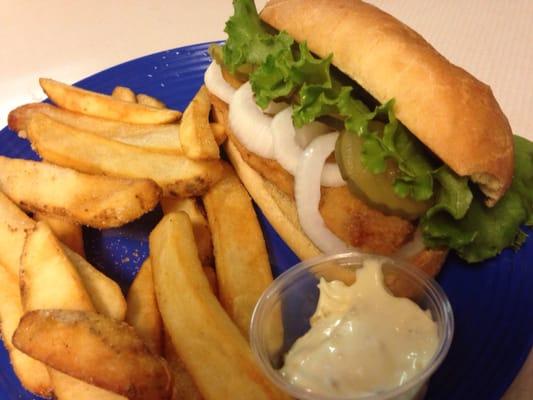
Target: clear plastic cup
x,y
282,315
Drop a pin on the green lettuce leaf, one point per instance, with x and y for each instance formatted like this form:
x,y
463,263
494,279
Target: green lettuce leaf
x,y
382,141
283,70
282,74
523,177
454,195
483,232
249,41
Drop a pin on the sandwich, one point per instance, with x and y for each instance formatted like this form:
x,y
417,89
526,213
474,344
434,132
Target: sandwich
x,y
349,130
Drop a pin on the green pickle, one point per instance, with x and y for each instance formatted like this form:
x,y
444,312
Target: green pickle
x,y
376,189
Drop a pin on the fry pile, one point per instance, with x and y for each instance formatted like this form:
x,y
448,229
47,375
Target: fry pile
x,y
181,332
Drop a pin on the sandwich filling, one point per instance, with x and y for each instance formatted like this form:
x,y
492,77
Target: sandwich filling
x,y
380,160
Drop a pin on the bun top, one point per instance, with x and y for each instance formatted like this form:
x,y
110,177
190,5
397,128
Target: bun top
x,y
450,111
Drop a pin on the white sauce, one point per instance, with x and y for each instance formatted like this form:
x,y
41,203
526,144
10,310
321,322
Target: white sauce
x,y
362,339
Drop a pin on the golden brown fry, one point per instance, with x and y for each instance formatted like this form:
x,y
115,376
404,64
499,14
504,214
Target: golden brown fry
x,y
165,141
211,346
161,138
44,268
67,387
219,132
96,349
200,227
184,387
49,280
104,292
98,105
196,137
14,225
219,110
66,146
69,233
142,312
93,200
33,375
211,275
241,258
124,93
19,118
150,101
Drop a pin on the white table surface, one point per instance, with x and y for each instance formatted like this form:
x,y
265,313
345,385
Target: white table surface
x,y
70,39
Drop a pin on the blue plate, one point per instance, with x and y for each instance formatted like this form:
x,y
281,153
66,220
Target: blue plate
x,y
492,301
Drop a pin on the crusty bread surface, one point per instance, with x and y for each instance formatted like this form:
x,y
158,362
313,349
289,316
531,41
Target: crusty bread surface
x,y
450,111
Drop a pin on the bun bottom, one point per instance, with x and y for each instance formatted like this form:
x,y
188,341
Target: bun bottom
x,y
278,207
280,210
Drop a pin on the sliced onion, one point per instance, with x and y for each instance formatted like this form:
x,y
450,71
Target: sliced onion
x,y
307,193
275,107
249,124
287,151
216,83
308,132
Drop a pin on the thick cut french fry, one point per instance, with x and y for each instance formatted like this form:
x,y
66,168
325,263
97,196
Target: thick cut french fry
x,y
243,271
143,313
219,110
197,139
66,146
67,387
200,227
161,138
124,93
150,101
211,275
49,280
19,118
99,105
69,233
96,349
44,267
184,387
33,375
219,132
93,200
105,293
14,225
160,141
214,351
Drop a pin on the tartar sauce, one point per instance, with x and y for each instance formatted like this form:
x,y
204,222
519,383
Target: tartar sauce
x,y
362,339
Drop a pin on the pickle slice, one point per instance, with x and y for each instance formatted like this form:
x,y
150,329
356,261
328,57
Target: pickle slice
x,y
376,189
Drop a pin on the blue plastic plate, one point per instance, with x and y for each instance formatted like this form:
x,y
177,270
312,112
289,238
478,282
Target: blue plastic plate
x,y
492,301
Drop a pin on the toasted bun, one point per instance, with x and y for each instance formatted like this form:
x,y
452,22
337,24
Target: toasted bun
x,y
450,111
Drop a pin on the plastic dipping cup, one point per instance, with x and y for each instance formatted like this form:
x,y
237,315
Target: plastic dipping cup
x,y
282,315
